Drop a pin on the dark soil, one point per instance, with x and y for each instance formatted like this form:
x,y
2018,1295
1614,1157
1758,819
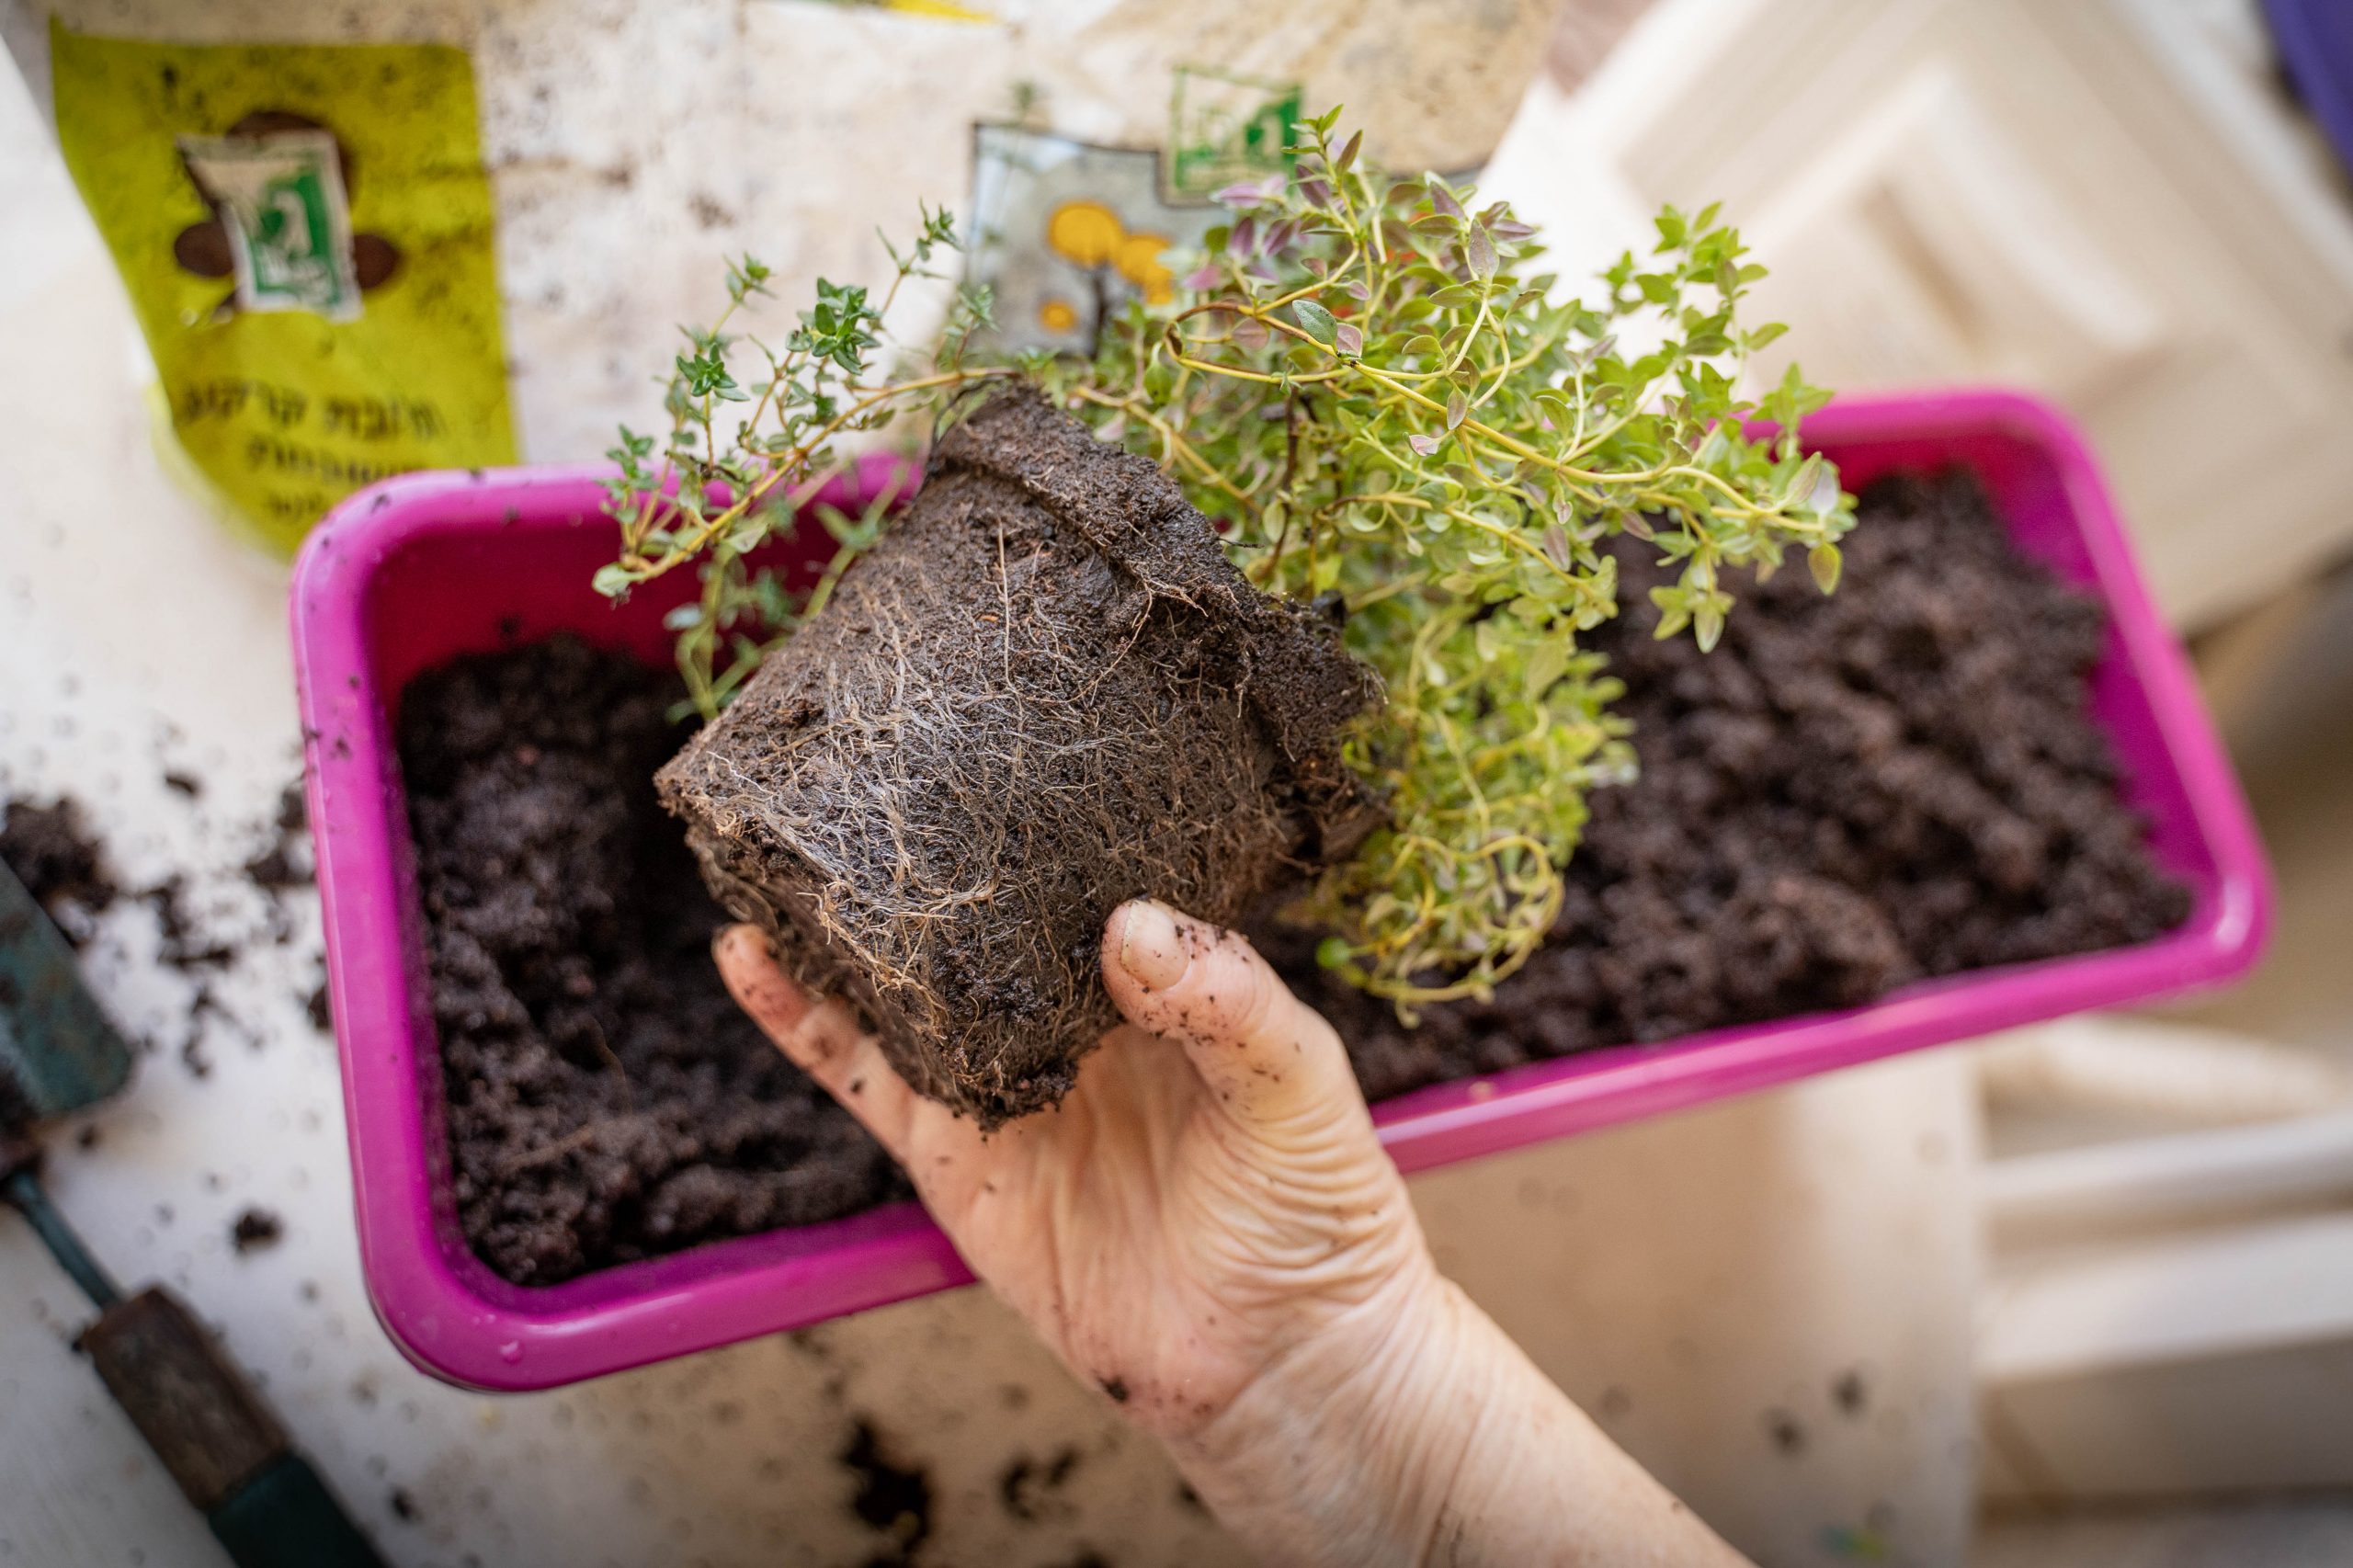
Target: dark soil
x,y
606,1100
54,854
892,1498
1896,781
1045,691
255,1229
1027,1486
284,862
185,944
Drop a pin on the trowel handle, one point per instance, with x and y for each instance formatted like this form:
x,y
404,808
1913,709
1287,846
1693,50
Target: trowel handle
x,y
221,1444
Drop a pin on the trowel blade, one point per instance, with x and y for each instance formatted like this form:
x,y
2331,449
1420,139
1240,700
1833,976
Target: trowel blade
x,y
58,1050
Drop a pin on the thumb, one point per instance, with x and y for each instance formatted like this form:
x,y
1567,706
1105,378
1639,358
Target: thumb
x,y
1269,1058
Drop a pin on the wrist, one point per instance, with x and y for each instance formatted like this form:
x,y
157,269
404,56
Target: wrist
x,y
1350,1445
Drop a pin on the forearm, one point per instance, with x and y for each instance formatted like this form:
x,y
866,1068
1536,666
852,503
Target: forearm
x,y
1423,1436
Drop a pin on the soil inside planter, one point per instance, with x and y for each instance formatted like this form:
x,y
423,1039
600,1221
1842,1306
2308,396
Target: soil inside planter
x,y
1900,780
606,1100
1846,794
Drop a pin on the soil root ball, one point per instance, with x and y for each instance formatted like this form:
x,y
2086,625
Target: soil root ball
x,y
1043,692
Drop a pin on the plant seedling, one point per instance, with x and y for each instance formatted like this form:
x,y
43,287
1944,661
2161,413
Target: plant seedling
x,y
1387,409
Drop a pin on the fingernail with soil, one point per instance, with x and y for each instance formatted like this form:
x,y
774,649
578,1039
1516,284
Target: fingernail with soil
x,y
1150,947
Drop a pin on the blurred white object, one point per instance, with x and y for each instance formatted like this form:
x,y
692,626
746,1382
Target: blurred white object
x,y
2169,1182
2106,200
2199,1077
2182,1364
2168,1315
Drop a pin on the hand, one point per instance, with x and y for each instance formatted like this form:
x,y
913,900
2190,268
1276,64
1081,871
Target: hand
x,y
1208,1197
1208,1229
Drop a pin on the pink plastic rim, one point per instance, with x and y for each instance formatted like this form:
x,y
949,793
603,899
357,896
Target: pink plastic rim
x,y
424,567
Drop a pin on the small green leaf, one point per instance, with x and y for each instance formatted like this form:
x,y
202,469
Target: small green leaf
x,y
1823,561
1706,626
613,580
1315,321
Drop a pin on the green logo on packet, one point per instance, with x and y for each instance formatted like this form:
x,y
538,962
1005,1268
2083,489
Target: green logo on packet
x,y
1224,127
307,236
288,219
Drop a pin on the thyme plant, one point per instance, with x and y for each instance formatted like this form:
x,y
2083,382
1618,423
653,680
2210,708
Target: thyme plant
x,y
1372,387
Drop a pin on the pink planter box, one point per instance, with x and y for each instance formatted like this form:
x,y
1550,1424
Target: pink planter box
x,y
428,566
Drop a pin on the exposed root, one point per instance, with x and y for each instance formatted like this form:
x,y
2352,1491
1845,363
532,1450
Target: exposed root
x,y
1044,692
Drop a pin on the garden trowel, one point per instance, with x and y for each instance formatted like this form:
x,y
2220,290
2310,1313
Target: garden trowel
x,y
216,1438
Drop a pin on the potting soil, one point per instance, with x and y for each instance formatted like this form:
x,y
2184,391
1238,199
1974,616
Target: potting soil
x,y
1898,780
605,1098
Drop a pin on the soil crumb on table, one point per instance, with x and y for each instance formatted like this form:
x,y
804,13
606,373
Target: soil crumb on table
x,y
1900,780
606,1100
52,851
892,1498
255,1229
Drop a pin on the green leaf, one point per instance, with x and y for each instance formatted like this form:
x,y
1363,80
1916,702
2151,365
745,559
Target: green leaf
x,y
1315,321
1823,561
613,580
1706,626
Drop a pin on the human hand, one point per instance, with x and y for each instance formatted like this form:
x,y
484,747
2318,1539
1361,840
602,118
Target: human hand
x,y
1208,1229
1206,1197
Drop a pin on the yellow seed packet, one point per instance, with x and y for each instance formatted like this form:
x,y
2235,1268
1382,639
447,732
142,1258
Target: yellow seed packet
x,y
305,232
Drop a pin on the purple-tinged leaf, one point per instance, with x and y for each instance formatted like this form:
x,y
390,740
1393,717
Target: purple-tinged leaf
x,y
1479,251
